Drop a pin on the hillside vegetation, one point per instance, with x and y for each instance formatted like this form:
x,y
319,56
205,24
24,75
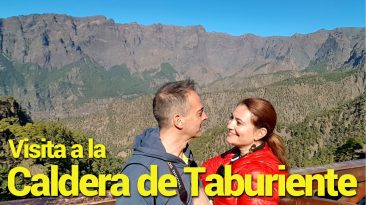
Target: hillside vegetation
x,y
296,98
75,84
14,125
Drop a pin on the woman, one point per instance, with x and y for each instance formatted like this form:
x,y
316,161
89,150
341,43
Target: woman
x,y
257,150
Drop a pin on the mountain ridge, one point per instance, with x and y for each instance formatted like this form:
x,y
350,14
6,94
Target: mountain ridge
x,y
53,41
51,62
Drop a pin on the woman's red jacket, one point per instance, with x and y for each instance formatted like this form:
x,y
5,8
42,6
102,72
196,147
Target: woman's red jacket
x,y
262,161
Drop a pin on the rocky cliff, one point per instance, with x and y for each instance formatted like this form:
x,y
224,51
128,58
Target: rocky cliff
x,y
52,62
53,41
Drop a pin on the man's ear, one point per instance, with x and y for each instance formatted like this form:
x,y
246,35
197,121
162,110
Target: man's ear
x,y
178,121
261,132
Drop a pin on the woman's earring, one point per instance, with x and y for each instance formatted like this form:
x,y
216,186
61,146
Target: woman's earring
x,y
252,148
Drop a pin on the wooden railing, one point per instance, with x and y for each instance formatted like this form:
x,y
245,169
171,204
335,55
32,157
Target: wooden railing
x,y
356,168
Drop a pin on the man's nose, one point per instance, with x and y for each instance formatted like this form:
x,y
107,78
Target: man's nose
x,y
205,117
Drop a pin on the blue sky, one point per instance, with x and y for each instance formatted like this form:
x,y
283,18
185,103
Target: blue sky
x,y
235,17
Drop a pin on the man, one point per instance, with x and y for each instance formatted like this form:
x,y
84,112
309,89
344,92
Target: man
x,y
180,115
